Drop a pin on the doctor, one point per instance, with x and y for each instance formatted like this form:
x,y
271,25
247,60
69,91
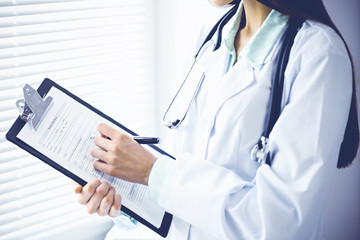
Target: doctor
x,y
214,189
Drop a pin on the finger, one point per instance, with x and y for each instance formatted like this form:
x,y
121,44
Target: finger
x,y
106,202
100,154
95,200
102,142
116,207
88,191
106,130
103,167
77,188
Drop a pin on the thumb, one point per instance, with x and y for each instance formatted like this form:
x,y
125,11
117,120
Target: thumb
x,y
77,188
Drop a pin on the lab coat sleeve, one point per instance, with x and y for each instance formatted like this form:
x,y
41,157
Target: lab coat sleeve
x,y
158,174
283,201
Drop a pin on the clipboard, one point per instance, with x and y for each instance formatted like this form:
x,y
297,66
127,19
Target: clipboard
x,y
34,107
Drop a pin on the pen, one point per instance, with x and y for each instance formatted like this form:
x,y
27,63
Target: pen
x,y
146,140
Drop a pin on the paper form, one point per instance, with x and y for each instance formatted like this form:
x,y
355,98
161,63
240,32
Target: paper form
x,y
65,135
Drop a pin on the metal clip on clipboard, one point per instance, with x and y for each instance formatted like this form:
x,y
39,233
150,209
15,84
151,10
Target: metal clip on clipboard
x,y
33,107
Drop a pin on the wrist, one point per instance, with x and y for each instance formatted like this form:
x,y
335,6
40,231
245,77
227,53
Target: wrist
x,y
148,170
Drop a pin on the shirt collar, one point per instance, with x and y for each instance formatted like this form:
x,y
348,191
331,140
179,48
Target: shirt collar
x,y
260,45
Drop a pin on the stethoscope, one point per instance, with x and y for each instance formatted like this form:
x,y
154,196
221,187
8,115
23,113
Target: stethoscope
x,y
260,152
173,124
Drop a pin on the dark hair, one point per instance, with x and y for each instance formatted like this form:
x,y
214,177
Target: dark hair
x,y
316,11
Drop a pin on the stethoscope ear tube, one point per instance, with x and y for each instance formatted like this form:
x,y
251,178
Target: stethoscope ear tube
x,y
218,28
260,152
278,78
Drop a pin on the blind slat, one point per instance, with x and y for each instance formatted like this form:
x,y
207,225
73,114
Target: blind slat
x,y
72,55
81,223
16,164
111,71
63,37
69,64
76,215
15,52
54,7
34,199
9,156
20,188
46,28
10,176
39,213
5,3
125,12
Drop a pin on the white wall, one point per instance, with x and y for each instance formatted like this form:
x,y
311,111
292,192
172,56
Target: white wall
x,y
343,208
177,24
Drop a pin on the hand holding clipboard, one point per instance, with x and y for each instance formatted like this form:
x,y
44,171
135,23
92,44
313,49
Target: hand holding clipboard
x,y
64,138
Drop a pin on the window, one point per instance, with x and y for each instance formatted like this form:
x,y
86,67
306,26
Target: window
x,y
98,50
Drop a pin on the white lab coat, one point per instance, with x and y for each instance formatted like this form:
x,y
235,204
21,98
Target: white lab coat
x,y
215,191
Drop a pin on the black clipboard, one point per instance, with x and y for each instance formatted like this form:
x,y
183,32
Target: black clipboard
x,y
17,126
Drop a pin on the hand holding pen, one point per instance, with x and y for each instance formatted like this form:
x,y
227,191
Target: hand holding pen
x,y
120,156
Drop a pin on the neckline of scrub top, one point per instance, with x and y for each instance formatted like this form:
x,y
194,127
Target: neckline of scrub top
x,y
260,45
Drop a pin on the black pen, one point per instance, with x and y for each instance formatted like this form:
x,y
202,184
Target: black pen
x,y
146,140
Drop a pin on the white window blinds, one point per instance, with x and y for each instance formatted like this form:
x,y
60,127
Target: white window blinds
x,y
100,51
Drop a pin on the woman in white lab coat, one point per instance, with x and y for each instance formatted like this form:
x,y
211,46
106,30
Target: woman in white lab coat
x,y
214,189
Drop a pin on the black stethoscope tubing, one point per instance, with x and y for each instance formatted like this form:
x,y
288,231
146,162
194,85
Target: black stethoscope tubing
x,y
217,28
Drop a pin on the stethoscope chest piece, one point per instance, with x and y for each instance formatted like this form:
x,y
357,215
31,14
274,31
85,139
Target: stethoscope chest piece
x,y
172,124
260,151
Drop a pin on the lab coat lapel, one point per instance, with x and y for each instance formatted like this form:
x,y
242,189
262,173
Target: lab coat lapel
x,y
223,86
235,81
215,64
